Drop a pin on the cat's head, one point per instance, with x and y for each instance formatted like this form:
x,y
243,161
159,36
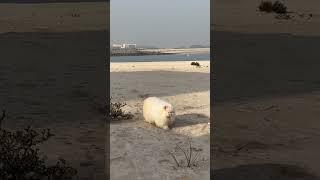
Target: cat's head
x,y
169,111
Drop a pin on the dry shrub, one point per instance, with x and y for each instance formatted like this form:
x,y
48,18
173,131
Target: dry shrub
x,y
117,113
279,8
191,156
20,158
265,6
276,7
195,64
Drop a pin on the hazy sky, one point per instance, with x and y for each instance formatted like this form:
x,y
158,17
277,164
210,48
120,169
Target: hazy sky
x,y
162,23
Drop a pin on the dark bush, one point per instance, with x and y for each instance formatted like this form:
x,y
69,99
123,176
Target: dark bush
x,y
117,113
266,6
20,158
279,8
195,64
276,7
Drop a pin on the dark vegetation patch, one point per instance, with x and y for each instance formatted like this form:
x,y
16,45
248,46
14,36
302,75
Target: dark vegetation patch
x,y
191,155
20,157
117,113
280,9
195,64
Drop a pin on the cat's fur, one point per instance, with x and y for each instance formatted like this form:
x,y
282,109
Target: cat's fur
x,y
158,112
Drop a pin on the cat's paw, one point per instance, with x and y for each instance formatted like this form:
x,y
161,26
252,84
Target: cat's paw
x,y
165,127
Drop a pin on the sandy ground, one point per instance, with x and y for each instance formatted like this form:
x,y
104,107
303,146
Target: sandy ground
x,y
243,16
52,75
266,91
281,130
53,17
140,150
181,51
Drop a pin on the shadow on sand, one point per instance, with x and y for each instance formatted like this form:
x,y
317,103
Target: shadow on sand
x,y
190,119
263,172
250,66
51,77
261,65
50,80
168,83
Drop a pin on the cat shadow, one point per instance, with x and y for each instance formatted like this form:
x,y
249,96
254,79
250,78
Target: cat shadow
x,y
190,119
263,172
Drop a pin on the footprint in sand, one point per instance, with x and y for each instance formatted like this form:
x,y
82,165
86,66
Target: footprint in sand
x,y
164,162
134,91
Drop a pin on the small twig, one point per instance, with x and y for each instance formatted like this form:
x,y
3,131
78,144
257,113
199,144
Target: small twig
x,y
241,147
270,107
3,116
175,159
185,154
190,154
195,158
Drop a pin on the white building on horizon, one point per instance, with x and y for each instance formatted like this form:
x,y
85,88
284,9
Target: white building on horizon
x,y
124,46
116,46
129,46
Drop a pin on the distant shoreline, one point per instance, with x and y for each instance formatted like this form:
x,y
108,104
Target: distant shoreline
x,y
141,53
150,52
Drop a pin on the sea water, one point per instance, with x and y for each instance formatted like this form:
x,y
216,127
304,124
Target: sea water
x,y
155,58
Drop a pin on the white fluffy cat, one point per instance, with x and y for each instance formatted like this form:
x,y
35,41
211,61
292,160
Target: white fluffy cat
x,y
158,112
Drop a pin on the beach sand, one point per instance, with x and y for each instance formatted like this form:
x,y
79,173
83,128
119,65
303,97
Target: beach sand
x,y
243,16
52,75
53,17
140,150
266,92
